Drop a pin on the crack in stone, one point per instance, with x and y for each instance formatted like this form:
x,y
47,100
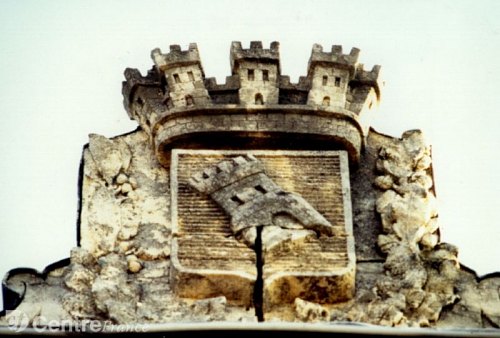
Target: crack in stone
x,y
258,293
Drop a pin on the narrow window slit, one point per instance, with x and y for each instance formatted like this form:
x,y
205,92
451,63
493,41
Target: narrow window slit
x,y
260,189
265,75
236,199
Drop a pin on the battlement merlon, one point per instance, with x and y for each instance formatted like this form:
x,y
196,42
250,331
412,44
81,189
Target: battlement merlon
x,y
304,83
177,57
225,173
335,58
255,52
133,80
232,83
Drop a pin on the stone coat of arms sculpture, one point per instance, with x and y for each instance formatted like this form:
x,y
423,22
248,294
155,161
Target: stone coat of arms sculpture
x,y
257,200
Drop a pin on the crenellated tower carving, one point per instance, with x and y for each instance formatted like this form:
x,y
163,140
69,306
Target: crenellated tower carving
x,y
330,108
258,70
183,74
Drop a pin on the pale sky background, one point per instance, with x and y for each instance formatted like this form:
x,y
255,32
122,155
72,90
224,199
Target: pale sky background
x,y
62,63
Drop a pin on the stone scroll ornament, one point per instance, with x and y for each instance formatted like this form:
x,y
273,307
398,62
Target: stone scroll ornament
x,y
245,192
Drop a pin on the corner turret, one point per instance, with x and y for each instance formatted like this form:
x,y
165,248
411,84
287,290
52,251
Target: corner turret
x,y
183,74
330,74
363,94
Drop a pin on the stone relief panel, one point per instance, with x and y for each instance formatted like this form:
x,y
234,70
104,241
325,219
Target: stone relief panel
x,y
293,205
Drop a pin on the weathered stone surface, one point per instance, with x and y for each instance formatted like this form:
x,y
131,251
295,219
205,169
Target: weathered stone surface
x,y
113,293
110,157
336,85
258,81
478,304
80,305
102,212
115,210
79,278
133,264
420,276
388,292
81,256
154,250
44,297
319,269
184,75
310,312
210,308
152,242
364,197
207,261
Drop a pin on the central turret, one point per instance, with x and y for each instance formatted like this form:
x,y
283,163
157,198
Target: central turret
x,y
259,72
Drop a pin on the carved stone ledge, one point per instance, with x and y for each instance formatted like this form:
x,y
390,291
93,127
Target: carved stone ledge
x,y
259,128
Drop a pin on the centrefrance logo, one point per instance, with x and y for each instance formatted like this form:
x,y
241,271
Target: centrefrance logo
x,y
19,321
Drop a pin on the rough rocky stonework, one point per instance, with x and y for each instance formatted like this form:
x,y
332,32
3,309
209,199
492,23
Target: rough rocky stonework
x,y
420,274
256,200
